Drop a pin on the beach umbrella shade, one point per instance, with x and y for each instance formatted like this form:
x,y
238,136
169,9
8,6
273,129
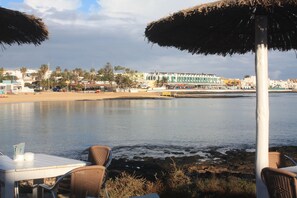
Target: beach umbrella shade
x,y
20,28
230,27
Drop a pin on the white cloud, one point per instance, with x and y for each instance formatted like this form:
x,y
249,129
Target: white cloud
x,y
111,15
59,5
145,10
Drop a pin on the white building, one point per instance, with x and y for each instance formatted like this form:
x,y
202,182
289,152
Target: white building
x,y
248,82
15,87
174,78
279,84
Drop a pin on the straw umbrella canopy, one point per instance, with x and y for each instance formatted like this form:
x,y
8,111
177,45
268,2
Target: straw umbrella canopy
x,y
230,27
20,28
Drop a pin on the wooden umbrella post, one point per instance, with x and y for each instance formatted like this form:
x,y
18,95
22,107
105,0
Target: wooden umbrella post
x,y
262,106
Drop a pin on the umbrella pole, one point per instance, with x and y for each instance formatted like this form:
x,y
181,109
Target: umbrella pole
x,y
262,106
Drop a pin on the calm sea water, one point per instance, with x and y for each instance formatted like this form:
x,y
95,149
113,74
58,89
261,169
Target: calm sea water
x,y
141,128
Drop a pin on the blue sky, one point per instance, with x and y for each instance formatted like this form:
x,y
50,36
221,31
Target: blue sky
x,y
90,33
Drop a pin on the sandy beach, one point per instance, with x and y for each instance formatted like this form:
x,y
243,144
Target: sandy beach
x,y
72,96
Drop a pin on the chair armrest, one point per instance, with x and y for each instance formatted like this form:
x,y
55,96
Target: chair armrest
x,y
291,159
47,187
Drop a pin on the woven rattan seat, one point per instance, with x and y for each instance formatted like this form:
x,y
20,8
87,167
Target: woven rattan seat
x,y
85,181
280,183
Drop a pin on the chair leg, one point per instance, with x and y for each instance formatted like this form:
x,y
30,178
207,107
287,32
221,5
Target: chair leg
x,y
16,189
37,192
54,194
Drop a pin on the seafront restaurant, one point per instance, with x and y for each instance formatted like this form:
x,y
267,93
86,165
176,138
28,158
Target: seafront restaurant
x,y
196,79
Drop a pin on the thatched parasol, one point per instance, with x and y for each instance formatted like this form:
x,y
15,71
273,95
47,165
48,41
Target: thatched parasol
x,y
230,27
227,27
20,28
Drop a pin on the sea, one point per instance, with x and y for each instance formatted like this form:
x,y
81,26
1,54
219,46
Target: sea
x,y
139,128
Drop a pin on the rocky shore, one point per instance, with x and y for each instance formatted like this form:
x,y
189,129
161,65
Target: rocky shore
x,y
238,162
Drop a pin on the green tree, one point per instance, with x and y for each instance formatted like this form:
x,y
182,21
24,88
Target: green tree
x,y
40,76
106,73
1,73
161,82
119,68
66,79
58,70
92,75
127,78
123,81
23,71
76,74
43,70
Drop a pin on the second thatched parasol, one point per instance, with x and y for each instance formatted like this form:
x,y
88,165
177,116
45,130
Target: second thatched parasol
x,y
20,28
230,27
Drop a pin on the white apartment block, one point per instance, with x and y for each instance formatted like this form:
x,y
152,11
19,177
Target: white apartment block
x,y
184,78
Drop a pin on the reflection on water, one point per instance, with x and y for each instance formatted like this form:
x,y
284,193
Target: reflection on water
x,y
144,127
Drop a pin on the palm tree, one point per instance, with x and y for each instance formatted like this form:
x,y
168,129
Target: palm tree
x,y
1,73
41,75
107,74
23,71
43,70
58,70
92,75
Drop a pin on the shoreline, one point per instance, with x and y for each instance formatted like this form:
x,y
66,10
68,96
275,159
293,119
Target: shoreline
x,y
81,96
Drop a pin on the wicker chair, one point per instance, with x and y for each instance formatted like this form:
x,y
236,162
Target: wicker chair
x,y
278,160
85,181
280,183
100,155
95,155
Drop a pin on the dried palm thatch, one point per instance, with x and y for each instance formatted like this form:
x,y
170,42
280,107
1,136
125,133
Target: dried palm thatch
x,y
227,27
20,28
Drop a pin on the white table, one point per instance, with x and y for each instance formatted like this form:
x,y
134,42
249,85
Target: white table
x,y
43,166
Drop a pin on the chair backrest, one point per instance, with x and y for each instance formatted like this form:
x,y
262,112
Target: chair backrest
x,y
87,181
280,183
99,155
276,160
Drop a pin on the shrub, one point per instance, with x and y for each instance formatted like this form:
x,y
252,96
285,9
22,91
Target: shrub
x,y
129,185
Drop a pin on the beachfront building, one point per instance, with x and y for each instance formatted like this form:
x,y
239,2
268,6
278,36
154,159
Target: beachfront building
x,y
292,84
248,82
14,87
184,79
28,77
280,84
